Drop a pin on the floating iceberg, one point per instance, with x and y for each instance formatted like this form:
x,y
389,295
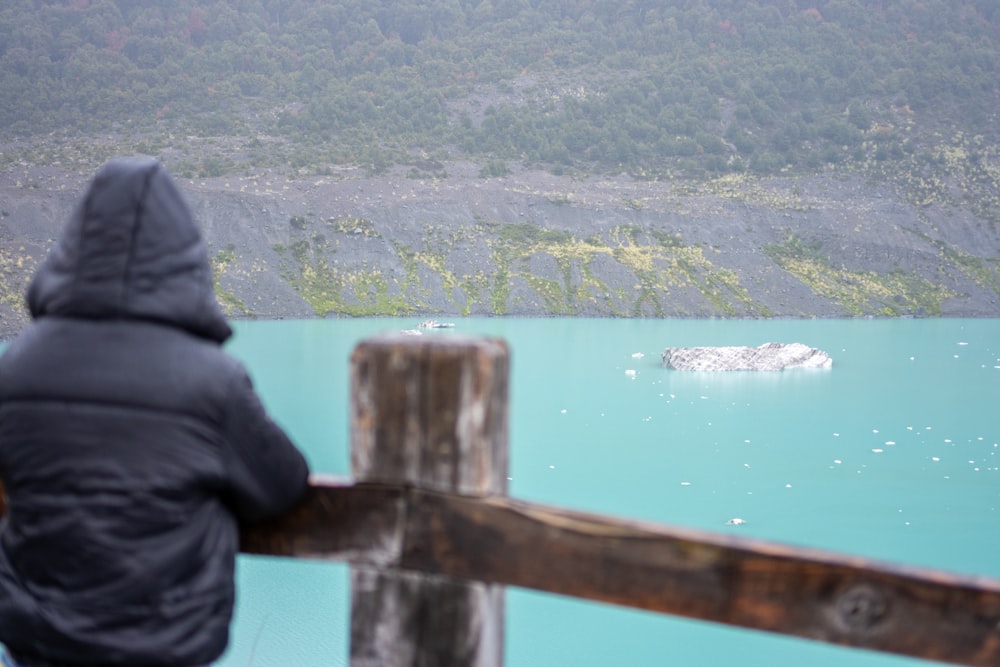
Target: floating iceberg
x,y
767,357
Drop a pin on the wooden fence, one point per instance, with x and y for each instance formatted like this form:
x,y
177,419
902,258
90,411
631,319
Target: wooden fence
x,y
432,538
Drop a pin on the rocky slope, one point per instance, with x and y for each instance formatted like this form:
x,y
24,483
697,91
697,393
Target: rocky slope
x,y
533,244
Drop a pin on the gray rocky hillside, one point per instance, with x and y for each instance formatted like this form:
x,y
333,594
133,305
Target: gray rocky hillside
x,y
534,244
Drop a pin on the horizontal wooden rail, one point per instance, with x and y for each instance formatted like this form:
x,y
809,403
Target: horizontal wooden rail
x,y
814,594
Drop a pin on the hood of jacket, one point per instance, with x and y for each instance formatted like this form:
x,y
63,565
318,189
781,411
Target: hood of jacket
x,y
131,250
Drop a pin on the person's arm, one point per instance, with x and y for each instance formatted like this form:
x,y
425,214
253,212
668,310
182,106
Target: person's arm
x,y
267,473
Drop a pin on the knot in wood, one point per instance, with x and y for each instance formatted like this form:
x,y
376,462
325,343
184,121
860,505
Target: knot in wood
x,y
861,607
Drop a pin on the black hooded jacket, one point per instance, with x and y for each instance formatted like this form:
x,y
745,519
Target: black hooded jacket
x,y
131,444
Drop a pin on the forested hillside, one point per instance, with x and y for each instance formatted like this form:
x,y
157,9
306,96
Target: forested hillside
x,y
654,88
627,158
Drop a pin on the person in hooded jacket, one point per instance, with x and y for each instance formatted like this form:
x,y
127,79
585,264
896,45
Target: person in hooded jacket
x,y
131,445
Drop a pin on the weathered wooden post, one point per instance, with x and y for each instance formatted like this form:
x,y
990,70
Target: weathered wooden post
x,y
429,413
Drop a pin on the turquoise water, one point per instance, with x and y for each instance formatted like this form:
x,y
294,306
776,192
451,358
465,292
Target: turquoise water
x,y
891,454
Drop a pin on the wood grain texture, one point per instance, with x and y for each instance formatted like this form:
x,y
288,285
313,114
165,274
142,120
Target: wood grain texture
x,y
431,411
427,413
336,520
808,593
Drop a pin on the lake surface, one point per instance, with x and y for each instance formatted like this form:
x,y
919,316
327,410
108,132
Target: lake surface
x,y
891,454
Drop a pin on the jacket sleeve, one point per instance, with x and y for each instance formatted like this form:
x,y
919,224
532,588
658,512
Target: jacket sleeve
x,y
267,473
